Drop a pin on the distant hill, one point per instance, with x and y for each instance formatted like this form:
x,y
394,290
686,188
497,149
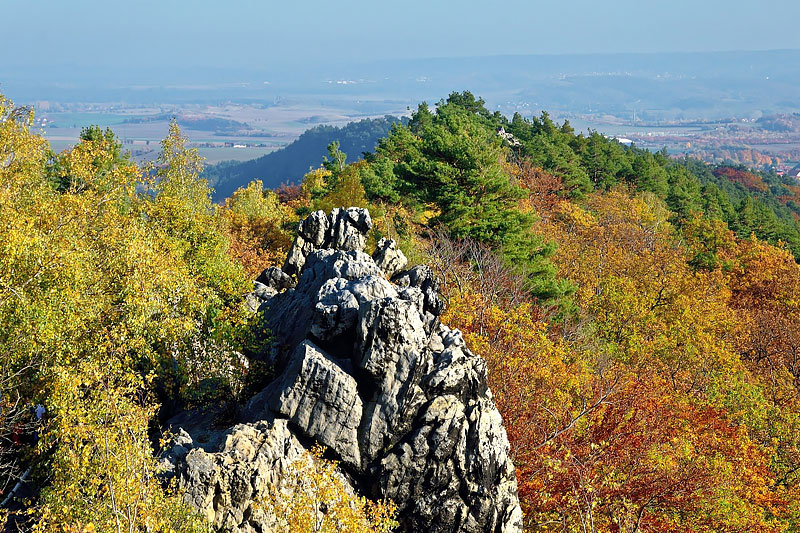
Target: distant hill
x,y
290,163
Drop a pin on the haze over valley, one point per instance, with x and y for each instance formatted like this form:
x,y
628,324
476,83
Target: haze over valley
x,y
716,106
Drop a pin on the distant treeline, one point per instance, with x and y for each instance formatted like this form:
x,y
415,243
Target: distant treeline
x,y
221,125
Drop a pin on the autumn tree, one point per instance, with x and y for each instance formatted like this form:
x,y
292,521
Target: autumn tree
x,y
257,224
99,285
630,415
312,496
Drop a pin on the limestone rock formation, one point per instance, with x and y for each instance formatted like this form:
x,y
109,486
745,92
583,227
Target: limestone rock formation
x,y
224,486
268,284
321,399
275,279
365,368
343,229
389,257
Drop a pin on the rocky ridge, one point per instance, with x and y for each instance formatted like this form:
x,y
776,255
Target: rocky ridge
x,y
365,368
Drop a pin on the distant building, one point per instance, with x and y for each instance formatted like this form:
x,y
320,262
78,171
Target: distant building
x,y
794,173
508,137
621,140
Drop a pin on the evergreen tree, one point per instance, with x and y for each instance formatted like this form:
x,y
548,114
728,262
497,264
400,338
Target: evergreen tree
x,y
453,159
716,204
604,161
648,175
684,193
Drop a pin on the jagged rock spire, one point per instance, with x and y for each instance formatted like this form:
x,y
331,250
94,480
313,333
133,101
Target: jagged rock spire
x,y
364,367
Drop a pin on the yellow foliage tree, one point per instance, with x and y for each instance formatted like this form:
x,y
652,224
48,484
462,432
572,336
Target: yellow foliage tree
x,y
313,497
315,183
347,191
102,291
103,475
257,225
634,280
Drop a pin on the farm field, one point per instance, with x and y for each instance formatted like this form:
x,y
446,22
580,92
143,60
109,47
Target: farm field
x,y
262,128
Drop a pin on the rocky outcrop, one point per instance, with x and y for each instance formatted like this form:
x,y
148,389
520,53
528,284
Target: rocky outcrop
x,y
343,229
272,281
225,486
321,399
389,257
365,368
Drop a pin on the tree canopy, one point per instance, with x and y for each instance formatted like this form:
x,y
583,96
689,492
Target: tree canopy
x,y
638,315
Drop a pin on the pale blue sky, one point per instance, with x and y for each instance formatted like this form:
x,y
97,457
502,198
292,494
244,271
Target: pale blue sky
x,y
246,33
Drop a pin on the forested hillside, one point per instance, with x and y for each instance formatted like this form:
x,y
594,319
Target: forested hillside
x,y
289,164
639,316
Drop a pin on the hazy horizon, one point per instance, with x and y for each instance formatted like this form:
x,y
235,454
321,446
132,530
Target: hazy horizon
x,y
280,68
247,33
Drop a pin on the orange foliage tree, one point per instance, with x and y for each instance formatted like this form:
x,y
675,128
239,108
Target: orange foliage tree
x,y
641,411
257,226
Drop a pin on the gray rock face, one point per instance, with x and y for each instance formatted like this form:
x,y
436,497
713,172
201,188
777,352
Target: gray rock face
x,y
343,229
349,228
269,283
313,233
365,368
319,397
276,279
389,257
338,303
421,277
226,485
289,314
390,348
